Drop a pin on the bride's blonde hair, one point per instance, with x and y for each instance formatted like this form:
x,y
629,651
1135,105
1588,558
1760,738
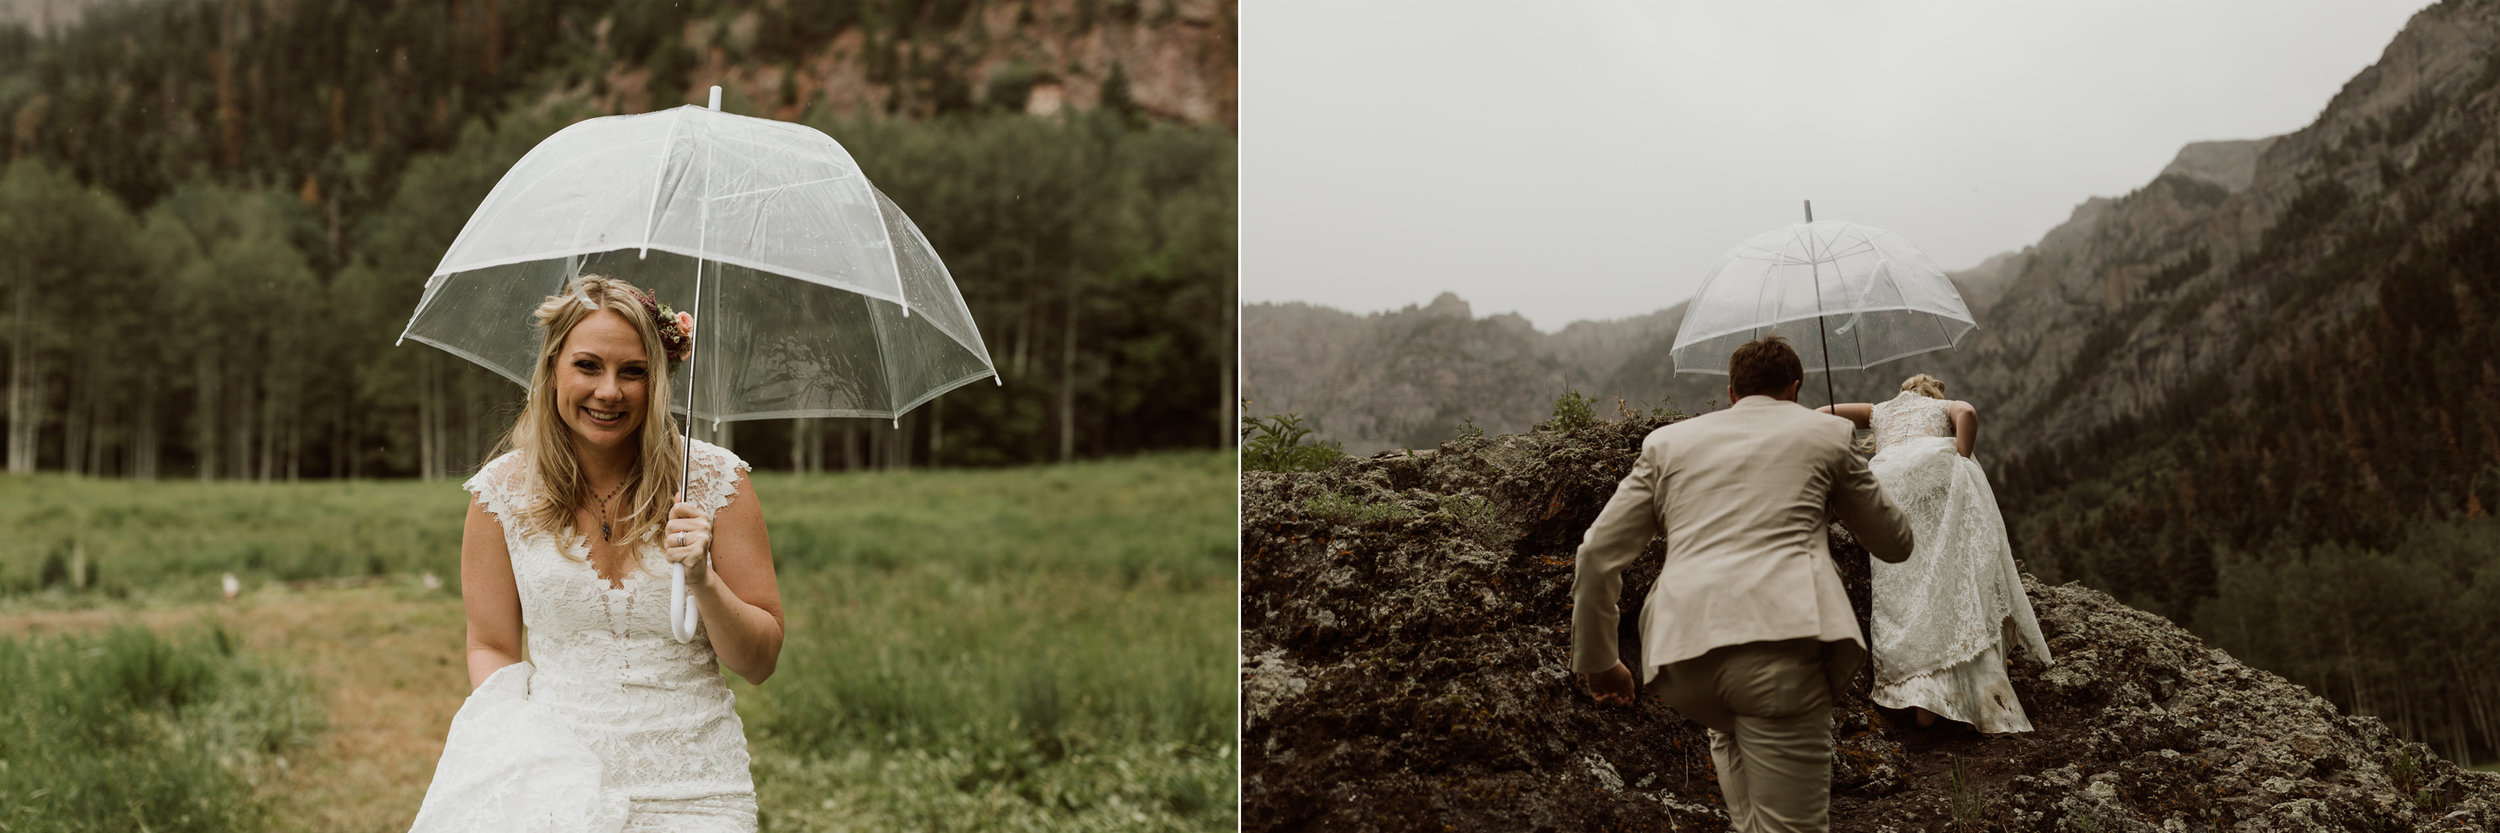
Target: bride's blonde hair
x,y
1924,385
546,443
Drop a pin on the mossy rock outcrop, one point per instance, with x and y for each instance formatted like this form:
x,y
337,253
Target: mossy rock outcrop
x,y
1406,648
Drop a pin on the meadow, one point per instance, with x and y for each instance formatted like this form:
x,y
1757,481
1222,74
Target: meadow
x,y
1035,648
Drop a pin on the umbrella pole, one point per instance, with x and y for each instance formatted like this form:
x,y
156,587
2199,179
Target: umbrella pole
x,y
1821,331
682,614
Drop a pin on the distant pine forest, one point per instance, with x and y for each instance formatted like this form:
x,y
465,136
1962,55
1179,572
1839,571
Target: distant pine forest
x,y
220,215
2329,523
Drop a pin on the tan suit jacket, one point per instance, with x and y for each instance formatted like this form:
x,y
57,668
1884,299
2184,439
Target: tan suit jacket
x,y
1741,496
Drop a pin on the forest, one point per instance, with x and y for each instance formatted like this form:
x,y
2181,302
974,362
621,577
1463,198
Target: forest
x,y
222,213
2325,519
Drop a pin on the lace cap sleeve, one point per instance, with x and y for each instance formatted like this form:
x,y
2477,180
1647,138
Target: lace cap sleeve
x,y
715,475
499,486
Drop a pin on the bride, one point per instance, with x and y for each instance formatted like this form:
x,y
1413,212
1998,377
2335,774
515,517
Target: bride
x,y
612,723
1945,619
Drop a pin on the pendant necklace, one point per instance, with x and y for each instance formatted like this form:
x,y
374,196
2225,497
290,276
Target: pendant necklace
x,y
606,602
604,534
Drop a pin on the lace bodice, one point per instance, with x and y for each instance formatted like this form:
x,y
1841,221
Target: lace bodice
x,y
654,709
1908,417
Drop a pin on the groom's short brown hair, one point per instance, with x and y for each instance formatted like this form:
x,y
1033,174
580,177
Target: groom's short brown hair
x,y
1764,366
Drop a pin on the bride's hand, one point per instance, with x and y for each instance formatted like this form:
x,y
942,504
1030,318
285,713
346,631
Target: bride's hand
x,y
688,541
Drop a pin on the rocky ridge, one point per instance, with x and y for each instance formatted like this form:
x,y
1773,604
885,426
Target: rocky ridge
x,y
1405,654
2181,284
1407,378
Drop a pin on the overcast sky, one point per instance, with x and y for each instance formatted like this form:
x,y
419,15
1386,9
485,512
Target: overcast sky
x,y
1592,160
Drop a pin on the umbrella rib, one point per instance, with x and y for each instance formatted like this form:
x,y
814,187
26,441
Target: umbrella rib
x,y
893,255
1862,247
433,284
781,187
940,323
885,370
755,216
941,389
687,251
1885,308
659,170
1761,289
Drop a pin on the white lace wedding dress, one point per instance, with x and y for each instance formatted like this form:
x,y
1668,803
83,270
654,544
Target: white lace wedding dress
x,y
1945,619
612,724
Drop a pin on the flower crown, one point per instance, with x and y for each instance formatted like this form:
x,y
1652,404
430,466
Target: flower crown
x,y
676,328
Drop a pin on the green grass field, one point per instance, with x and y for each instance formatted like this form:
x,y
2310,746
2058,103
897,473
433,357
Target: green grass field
x,y
125,730
1042,648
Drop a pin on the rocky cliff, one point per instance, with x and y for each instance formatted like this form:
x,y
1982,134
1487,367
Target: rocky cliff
x,y
1171,60
1406,379
2192,283
1405,666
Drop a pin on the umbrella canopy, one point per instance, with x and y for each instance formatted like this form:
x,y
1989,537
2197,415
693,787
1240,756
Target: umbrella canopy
x,y
1877,299
819,298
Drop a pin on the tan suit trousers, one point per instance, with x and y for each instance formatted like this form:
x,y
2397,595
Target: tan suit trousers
x,y
1769,710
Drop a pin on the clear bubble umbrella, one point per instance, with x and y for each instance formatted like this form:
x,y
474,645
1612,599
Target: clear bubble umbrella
x,y
814,295
1847,296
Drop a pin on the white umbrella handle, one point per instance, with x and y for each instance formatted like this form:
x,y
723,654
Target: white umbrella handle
x,y
682,614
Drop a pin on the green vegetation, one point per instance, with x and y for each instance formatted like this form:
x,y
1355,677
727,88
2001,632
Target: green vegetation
x,y
222,215
167,542
2190,191
1050,646
2399,633
1573,412
1969,806
2408,120
1476,515
1351,510
129,731
1275,444
2318,205
2196,263
1026,648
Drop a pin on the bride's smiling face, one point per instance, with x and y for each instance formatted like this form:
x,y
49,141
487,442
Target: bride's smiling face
x,y
603,381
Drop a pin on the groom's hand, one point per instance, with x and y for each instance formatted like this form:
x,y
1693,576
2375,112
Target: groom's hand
x,y
1612,687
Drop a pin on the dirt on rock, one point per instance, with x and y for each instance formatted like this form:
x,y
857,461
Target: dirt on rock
x,y
1405,666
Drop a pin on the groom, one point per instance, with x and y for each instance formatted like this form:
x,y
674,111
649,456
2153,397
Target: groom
x,y
1747,630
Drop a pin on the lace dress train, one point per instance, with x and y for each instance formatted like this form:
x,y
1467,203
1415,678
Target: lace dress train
x,y
1945,620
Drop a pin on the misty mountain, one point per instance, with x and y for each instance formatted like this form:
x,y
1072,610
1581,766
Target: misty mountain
x,y
2273,362
1407,379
